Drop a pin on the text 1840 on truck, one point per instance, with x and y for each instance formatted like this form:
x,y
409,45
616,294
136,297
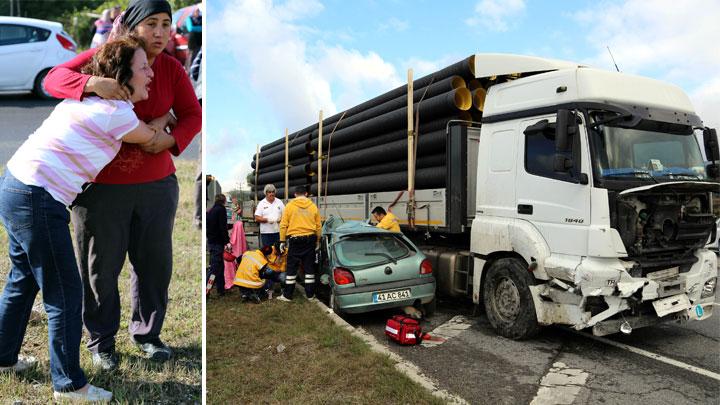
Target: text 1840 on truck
x,y
547,191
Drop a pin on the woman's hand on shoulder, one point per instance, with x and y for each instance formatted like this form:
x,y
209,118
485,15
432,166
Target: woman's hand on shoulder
x,y
161,141
107,88
166,121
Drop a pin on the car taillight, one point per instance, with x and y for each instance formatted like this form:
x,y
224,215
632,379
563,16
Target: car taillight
x,y
426,267
343,276
65,42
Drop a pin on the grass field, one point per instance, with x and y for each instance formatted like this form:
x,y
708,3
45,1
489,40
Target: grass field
x,y
137,380
321,363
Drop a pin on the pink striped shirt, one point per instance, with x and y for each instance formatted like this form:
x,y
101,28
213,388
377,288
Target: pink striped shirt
x,y
72,145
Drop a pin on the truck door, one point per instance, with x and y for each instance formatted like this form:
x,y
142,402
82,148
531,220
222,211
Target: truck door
x,y
555,202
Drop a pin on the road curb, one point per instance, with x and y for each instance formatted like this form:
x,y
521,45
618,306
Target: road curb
x,y
404,366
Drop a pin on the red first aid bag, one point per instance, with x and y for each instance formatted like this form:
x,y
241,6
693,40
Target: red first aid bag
x,y
403,330
228,257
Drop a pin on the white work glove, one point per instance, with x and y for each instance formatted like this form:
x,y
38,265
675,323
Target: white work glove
x,y
282,247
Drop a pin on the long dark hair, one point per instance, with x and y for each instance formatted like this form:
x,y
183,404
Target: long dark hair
x,y
114,60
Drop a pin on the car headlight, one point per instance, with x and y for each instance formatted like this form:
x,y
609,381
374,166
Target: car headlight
x,y
709,288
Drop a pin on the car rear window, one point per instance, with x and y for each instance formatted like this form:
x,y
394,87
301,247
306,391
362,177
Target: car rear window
x,y
12,34
370,250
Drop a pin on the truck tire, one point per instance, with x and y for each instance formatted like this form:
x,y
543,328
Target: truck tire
x,y
508,302
38,87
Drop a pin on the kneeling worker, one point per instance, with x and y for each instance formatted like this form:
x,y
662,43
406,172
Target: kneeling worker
x,y
386,220
277,262
252,272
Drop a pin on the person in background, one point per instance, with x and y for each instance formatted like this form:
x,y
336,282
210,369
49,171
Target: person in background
x,y
102,28
193,25
196,76
300,227
115,13
129,208
42,179
238,246
268,214
386,220
217,238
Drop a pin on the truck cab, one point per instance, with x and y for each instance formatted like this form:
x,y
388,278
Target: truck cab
x,y
593,202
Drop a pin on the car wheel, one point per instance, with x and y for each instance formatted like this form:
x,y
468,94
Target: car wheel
x,y
508,301
430,307
39,89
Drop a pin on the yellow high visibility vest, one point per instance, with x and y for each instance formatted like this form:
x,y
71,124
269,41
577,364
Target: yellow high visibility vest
x,y
389,222
247,274
277,262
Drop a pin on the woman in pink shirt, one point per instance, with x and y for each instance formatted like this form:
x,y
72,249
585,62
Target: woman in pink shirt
x,y
41,180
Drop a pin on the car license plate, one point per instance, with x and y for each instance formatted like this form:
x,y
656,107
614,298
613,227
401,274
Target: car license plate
x,y
387,296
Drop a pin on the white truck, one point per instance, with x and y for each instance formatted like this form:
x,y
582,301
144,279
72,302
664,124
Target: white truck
x,y
581,198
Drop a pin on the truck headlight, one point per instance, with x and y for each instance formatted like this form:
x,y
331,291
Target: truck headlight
x,y
709,288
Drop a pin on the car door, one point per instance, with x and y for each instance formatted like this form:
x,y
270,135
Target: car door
x,y
22,49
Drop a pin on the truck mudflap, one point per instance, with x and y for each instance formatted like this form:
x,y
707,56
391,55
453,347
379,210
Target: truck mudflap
x,y
673,295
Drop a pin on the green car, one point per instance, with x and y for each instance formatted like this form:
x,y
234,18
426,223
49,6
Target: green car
x,y
364,268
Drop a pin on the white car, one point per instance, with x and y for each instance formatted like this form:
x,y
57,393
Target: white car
x,y
29,48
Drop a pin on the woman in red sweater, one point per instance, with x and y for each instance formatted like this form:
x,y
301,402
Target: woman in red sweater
x,y
130,206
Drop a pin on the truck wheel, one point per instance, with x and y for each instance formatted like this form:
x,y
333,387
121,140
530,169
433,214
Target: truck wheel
x,y
38,87
508,302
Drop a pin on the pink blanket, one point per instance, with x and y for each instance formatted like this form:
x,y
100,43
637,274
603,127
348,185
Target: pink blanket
x,y
239,246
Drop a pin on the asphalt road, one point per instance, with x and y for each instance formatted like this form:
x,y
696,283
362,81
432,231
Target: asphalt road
x,y
484,368
20,115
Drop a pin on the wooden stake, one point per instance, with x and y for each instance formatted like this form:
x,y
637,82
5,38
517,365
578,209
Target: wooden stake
x,y
287,167
320,141
410,156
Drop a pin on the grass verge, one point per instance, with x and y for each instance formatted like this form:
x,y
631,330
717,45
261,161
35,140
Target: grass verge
x,y
321,363
137,380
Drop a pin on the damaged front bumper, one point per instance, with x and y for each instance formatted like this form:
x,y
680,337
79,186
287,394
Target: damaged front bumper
x,y
661,296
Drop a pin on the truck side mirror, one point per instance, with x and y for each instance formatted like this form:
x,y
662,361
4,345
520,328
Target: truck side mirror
x,y
710,139
712,152
565,128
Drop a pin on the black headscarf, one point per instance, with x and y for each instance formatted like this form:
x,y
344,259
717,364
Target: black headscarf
x,y
139,10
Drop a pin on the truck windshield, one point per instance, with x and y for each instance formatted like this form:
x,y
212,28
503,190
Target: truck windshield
x,y
651,150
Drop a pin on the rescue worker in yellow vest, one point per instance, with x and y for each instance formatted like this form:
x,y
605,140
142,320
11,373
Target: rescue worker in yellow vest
x,y
386,220
300,233
252,272
277,262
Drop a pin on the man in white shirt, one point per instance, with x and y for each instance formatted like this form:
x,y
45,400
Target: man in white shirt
x,y
268,214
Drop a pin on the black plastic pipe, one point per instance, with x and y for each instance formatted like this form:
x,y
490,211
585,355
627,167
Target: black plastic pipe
x,y
383,168
464,68
439,106
431,177
392,151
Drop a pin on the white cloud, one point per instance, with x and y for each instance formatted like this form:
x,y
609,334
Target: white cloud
x,y
664,39
496,15
395,24
297,77
356,75
706,99
236,176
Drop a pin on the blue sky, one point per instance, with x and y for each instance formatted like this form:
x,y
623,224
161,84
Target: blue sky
x,y
274,64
